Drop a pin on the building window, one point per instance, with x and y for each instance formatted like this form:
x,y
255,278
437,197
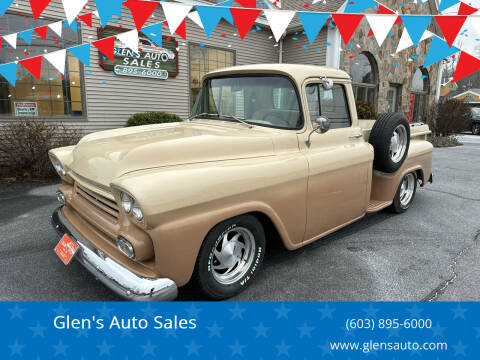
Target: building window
x,y
393,97
419,92
364,75
204,59
53,94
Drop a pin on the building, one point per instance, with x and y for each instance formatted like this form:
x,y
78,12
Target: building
x,y
97,97
471,96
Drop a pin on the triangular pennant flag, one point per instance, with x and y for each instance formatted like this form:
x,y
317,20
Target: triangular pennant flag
x,y
445,4
227,4
82,53
4,5
106,46
278,21
347,24
252,4
86,19
42,31
57,59
416,26
467,64
38,6
382,9
465,9
450,26
154,33
9,72
56,27
33,65
358,6
244,19
130,39
26,35
11,39
406,42
370,33
438,50
312,23
210,17
196,18
182,30
107,8
175,14
475,21
72,8
141,10
72,26
381,25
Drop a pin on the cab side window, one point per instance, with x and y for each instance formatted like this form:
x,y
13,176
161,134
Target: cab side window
x,y
329,103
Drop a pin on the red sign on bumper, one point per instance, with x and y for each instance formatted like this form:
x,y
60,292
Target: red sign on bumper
x,y
66,249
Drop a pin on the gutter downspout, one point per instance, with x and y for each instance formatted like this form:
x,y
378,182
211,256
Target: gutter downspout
x,y
280,50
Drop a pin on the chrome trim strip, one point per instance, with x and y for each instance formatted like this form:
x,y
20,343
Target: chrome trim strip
x,y
116,277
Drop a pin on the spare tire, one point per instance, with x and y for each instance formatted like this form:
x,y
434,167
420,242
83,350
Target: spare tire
x,y
390,137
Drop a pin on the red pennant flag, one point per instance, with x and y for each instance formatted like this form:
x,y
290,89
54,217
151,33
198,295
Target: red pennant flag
x,y
370,33
384,10
347,24
141,11
42,31
244,19
181,30
38,6
450,26
87,19
33,66
465,9
106,46
467,64
248,3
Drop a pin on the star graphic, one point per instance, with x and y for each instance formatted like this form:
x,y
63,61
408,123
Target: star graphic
x,y
104,311
371,311
126,333
283,349
193,311
415,311
104,348
193,348
459,348
148,348
327,312
82,333
237,349
60,310
237,312
326,350
16,349
305,330
38,330
438,330
149,311
348,332
16,312
282,311
392,332
415,352
477,329
459,312
215,330
261,330
61,348
171,332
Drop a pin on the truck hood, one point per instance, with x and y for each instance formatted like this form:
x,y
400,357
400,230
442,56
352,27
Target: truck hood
x,y
101,157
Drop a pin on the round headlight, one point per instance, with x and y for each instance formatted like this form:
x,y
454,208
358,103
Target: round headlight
x,y
60,168
137,212
126,203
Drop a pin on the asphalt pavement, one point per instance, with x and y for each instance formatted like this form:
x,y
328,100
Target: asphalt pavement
x,y
429,253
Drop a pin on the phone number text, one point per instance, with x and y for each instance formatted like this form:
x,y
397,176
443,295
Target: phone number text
x,y
372,324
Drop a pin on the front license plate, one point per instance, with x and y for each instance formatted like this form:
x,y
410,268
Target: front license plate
x,y
66,249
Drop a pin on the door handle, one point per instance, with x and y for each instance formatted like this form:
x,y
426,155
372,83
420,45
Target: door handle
x,y
356,136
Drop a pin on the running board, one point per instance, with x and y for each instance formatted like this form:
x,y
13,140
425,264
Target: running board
x,y
377,205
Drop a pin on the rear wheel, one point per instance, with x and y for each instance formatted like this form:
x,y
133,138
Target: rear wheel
x,y
405,194
476,129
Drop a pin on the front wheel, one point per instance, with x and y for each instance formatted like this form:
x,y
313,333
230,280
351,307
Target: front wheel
x,y
230,257
405,194
476,129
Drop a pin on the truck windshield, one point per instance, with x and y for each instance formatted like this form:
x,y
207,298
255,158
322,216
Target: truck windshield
x,y
257,100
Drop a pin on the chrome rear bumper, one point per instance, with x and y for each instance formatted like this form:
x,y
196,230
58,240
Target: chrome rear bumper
x,y
119,279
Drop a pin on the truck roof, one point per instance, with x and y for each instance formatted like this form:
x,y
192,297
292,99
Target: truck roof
x,y
296,71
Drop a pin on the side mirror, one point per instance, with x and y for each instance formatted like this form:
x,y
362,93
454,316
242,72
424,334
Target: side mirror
x,y
327,83
320,125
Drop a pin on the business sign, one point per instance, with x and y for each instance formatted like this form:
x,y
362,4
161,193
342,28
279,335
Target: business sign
x,y
24,108
151,61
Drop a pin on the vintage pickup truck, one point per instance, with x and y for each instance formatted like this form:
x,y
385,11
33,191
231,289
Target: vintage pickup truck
x,y
269,150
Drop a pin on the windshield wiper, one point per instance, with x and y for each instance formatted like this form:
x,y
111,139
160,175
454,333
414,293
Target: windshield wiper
x,y
202,114
237,119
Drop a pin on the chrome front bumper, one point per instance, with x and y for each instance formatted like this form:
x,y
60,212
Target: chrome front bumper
x,y
119,279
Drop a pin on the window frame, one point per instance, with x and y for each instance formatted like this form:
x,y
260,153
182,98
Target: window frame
x,y
420,94
374,85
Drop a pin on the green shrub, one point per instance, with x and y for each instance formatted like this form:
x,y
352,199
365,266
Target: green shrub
x,y
153,117
365,110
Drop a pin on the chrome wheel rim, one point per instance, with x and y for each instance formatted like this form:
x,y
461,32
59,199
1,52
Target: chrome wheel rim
x,y
233,255
398,143
406,189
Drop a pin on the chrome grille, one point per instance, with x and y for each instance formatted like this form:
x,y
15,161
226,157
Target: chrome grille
x,y
101,202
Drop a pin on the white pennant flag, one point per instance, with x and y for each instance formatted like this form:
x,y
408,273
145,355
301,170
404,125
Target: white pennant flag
x,y
475,21
195,18
11,39
57,59
381,25
175,14
406,41
130,39
72,8
278,21
56,27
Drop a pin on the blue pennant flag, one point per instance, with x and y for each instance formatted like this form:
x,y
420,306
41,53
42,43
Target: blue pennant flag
x,y
312,23
107,8
415,26
82,53
72,26
228,14
358,6
154,32
26,35
439,50
9,72
4,5
210,17
445,4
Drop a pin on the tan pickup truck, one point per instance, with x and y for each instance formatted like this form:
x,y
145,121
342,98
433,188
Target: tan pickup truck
x,y
269,150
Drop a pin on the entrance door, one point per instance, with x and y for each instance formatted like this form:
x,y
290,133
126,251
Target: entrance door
x,y
392,98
